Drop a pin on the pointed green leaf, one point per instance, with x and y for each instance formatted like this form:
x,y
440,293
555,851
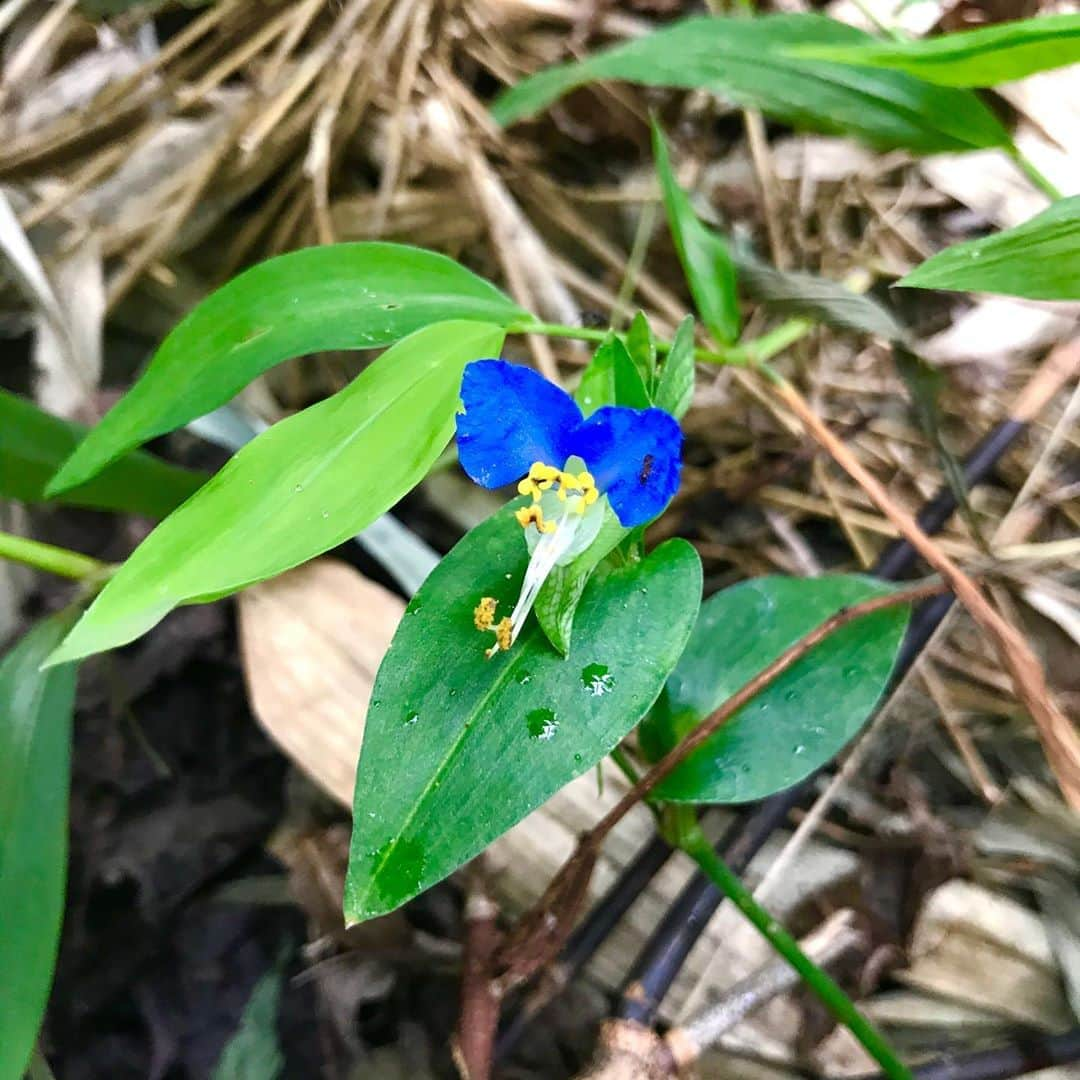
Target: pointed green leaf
x,y
804,717
1039,260
33,445
641,346
675,387
985,56
35,749
704,254
299,489
338,296
612,378
456,752
746,61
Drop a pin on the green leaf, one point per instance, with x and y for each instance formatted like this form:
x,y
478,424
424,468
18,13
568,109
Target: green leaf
x,y
254,1051
704,254
455,753
641,345
1039,260
35,748
560,595
33,445
675,388
829,302
338,296
985,56
611,378
745,61
300,488
804,717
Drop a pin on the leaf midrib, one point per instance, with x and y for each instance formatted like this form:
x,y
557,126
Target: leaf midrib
x,y
497,684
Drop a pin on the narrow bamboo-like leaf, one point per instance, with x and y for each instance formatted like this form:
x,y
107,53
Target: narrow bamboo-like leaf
x,y
1039,260
35,750
804,717
704,254
985,56
457,751
612,378
746,61
299,489
338,296
33,445
796,293
675,386
562,592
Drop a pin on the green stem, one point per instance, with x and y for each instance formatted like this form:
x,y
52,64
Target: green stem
x,y
749,354
1032,172
776,341
53,560
692,841
625,765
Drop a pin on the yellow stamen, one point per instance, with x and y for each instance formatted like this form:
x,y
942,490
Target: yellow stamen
x,y
582,486
540,478
504,633
484,613
533,515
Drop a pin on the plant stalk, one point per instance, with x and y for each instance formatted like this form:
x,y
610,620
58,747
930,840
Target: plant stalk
x,y
51,559
1035,175
694,843
752,353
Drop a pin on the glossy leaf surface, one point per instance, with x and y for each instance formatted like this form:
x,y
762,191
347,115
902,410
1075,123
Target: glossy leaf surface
x,y
338,296
300,488
458,748
1039,260
35,749
803,718
747,62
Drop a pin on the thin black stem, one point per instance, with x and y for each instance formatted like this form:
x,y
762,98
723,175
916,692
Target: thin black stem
x,y
1017,1059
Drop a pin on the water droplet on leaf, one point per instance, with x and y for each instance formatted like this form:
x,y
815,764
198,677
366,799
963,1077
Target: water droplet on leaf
x,y
542,724
596,680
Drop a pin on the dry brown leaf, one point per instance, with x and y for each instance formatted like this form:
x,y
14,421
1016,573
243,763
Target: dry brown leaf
x,y
977,947
312,641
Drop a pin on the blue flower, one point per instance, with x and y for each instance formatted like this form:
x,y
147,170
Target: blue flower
x,y
518,426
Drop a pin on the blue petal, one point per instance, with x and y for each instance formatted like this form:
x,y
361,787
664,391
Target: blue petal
x,y
513,416
634,456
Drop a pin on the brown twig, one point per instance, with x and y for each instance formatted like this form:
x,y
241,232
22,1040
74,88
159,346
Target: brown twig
x,y
542,930
475,1038
1060,739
